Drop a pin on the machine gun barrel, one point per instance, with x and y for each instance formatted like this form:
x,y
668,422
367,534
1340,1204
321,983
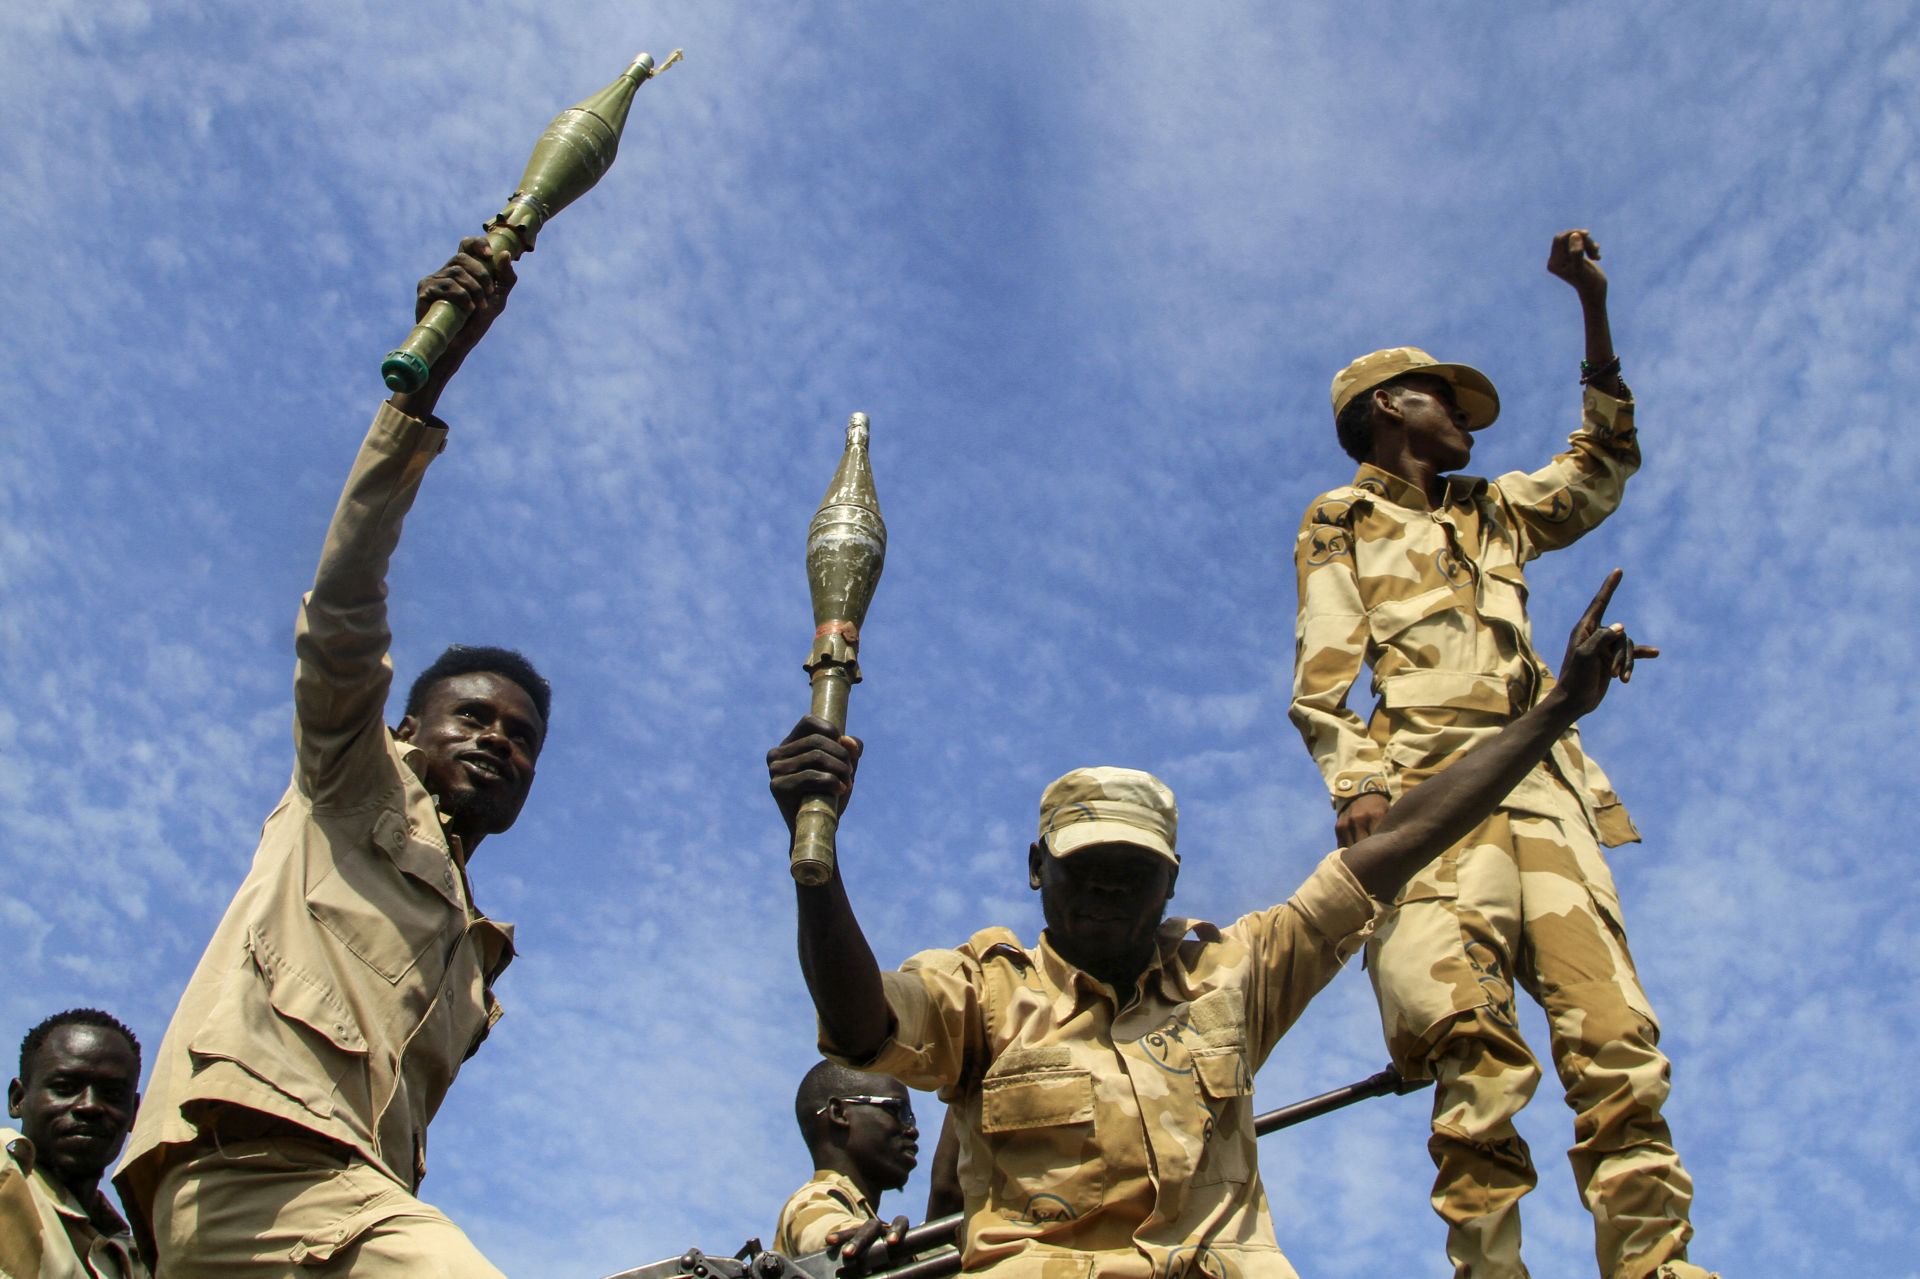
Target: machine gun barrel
x,y
752,1263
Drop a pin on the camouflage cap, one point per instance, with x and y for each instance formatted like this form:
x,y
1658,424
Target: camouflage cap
x,y
1471,387
1109,806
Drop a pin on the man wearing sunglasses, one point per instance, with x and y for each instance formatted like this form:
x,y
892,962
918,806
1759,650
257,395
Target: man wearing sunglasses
x,y
1103,1078
860,1130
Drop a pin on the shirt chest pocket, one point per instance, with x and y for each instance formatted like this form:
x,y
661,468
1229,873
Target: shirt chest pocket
x,y
1037,1112
1226,1090
385,903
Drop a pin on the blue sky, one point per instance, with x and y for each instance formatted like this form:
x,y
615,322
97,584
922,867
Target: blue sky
x,y
1090,269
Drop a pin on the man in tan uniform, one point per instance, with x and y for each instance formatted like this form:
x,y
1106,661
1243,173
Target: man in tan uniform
x,y
860,1130
75,1098
1103,1079
1417,574
285,1124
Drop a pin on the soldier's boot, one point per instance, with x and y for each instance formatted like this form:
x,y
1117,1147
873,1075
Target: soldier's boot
x,y
1483,1074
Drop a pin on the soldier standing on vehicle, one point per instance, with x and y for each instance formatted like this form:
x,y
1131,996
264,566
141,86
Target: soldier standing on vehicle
x,y
1103,1079
1415,571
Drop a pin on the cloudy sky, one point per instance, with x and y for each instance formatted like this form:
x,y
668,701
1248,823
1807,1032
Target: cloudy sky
x,y
1090,269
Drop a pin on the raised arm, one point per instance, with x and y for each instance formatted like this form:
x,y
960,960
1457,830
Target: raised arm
x,y
1441,811
841,973
1558,504
1575,258
341,673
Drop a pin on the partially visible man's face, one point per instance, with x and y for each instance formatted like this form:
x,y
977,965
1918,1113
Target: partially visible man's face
x,y
884,1145
1103,903
481,736
77,1101
1435,425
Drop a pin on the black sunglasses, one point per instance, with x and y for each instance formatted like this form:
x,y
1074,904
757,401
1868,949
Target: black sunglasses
x,y
899,1107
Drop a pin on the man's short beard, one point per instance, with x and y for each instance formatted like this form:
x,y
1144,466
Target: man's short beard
x,y
491,811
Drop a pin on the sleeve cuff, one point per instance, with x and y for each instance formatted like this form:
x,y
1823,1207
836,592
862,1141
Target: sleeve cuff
x,y
403,434
1335,904
1345,790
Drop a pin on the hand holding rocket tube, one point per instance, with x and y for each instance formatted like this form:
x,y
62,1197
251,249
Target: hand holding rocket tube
x,y
577,148
846,549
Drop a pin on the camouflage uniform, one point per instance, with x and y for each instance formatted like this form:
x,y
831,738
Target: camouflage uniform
x,y
1107,1133
1434,602
828,1202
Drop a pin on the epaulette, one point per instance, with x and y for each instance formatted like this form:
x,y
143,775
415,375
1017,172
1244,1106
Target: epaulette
x,y
1000,943
1339,507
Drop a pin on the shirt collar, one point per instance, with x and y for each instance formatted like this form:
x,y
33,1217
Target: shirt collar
x,y
1404,492
1163,969
837,1180
20,1149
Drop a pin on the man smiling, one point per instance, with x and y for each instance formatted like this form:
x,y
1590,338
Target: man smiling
x,y
286,1121
1103,1079
75,1098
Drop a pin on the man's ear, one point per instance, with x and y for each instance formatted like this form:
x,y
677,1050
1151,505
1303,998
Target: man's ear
x,y
1034,853
16,1093
1173,879
409,725
837,1114
1385,403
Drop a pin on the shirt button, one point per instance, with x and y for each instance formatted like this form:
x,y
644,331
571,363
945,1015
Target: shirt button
x,y
1345,783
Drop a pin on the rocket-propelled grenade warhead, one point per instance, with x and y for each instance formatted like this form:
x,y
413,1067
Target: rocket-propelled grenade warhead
x,y
573,153
846,549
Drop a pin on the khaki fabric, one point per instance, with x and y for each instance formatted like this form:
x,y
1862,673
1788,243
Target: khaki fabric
x,y
1527,902
828,1202
282,1206
1108,1134
352,974
1434,603
47,1233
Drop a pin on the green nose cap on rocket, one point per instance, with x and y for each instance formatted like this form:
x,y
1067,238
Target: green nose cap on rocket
x,y
575,152
846,544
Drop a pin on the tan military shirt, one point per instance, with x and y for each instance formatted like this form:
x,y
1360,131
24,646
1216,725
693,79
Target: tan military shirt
x,y
1111,1134
45,1231
828,1202
1434,602
352,974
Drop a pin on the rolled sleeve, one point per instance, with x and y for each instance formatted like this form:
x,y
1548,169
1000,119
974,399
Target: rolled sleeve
x,y
1297,947
933,1008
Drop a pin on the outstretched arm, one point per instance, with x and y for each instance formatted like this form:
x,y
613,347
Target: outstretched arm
x,y
342,675
842,975
1438,813
1575,258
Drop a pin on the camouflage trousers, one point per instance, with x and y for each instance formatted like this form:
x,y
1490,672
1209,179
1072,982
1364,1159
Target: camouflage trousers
x,y
1528,900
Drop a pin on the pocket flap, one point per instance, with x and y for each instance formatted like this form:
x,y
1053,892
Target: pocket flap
x,y
304,999
1036,1098
1454,690
1388,618
1223,1072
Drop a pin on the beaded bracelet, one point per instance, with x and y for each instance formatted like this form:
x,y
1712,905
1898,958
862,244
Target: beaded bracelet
x,y
1589,375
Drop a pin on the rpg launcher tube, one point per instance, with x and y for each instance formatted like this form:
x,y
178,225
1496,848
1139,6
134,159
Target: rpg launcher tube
x,y
575,151
846,549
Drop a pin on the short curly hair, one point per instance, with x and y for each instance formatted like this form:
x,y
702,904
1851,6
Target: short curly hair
x,y
470,659
1354,425
39,1035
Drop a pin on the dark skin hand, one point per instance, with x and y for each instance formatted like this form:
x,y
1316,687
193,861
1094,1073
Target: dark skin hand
x,y
866,1244
477,281
834,956
944,1196
1441,811
1575,258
